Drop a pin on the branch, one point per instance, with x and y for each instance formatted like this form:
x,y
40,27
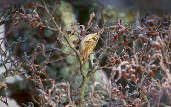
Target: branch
x,y
58,29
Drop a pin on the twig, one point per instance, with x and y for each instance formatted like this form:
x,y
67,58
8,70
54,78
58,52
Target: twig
x,y
84,75
58,29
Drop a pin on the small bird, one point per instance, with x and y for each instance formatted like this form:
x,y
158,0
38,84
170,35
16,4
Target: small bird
x,y
87,46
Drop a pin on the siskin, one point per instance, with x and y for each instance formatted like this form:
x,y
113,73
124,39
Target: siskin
x,y
87,46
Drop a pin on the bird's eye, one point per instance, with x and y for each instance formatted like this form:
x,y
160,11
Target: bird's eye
x,y
95,38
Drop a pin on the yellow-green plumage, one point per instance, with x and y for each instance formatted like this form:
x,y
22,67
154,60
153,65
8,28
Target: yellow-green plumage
x,y
87,46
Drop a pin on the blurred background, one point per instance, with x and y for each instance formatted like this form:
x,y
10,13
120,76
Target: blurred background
x,y
33,48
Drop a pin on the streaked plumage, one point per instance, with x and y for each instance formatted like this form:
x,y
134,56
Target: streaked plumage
x,y
87,46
